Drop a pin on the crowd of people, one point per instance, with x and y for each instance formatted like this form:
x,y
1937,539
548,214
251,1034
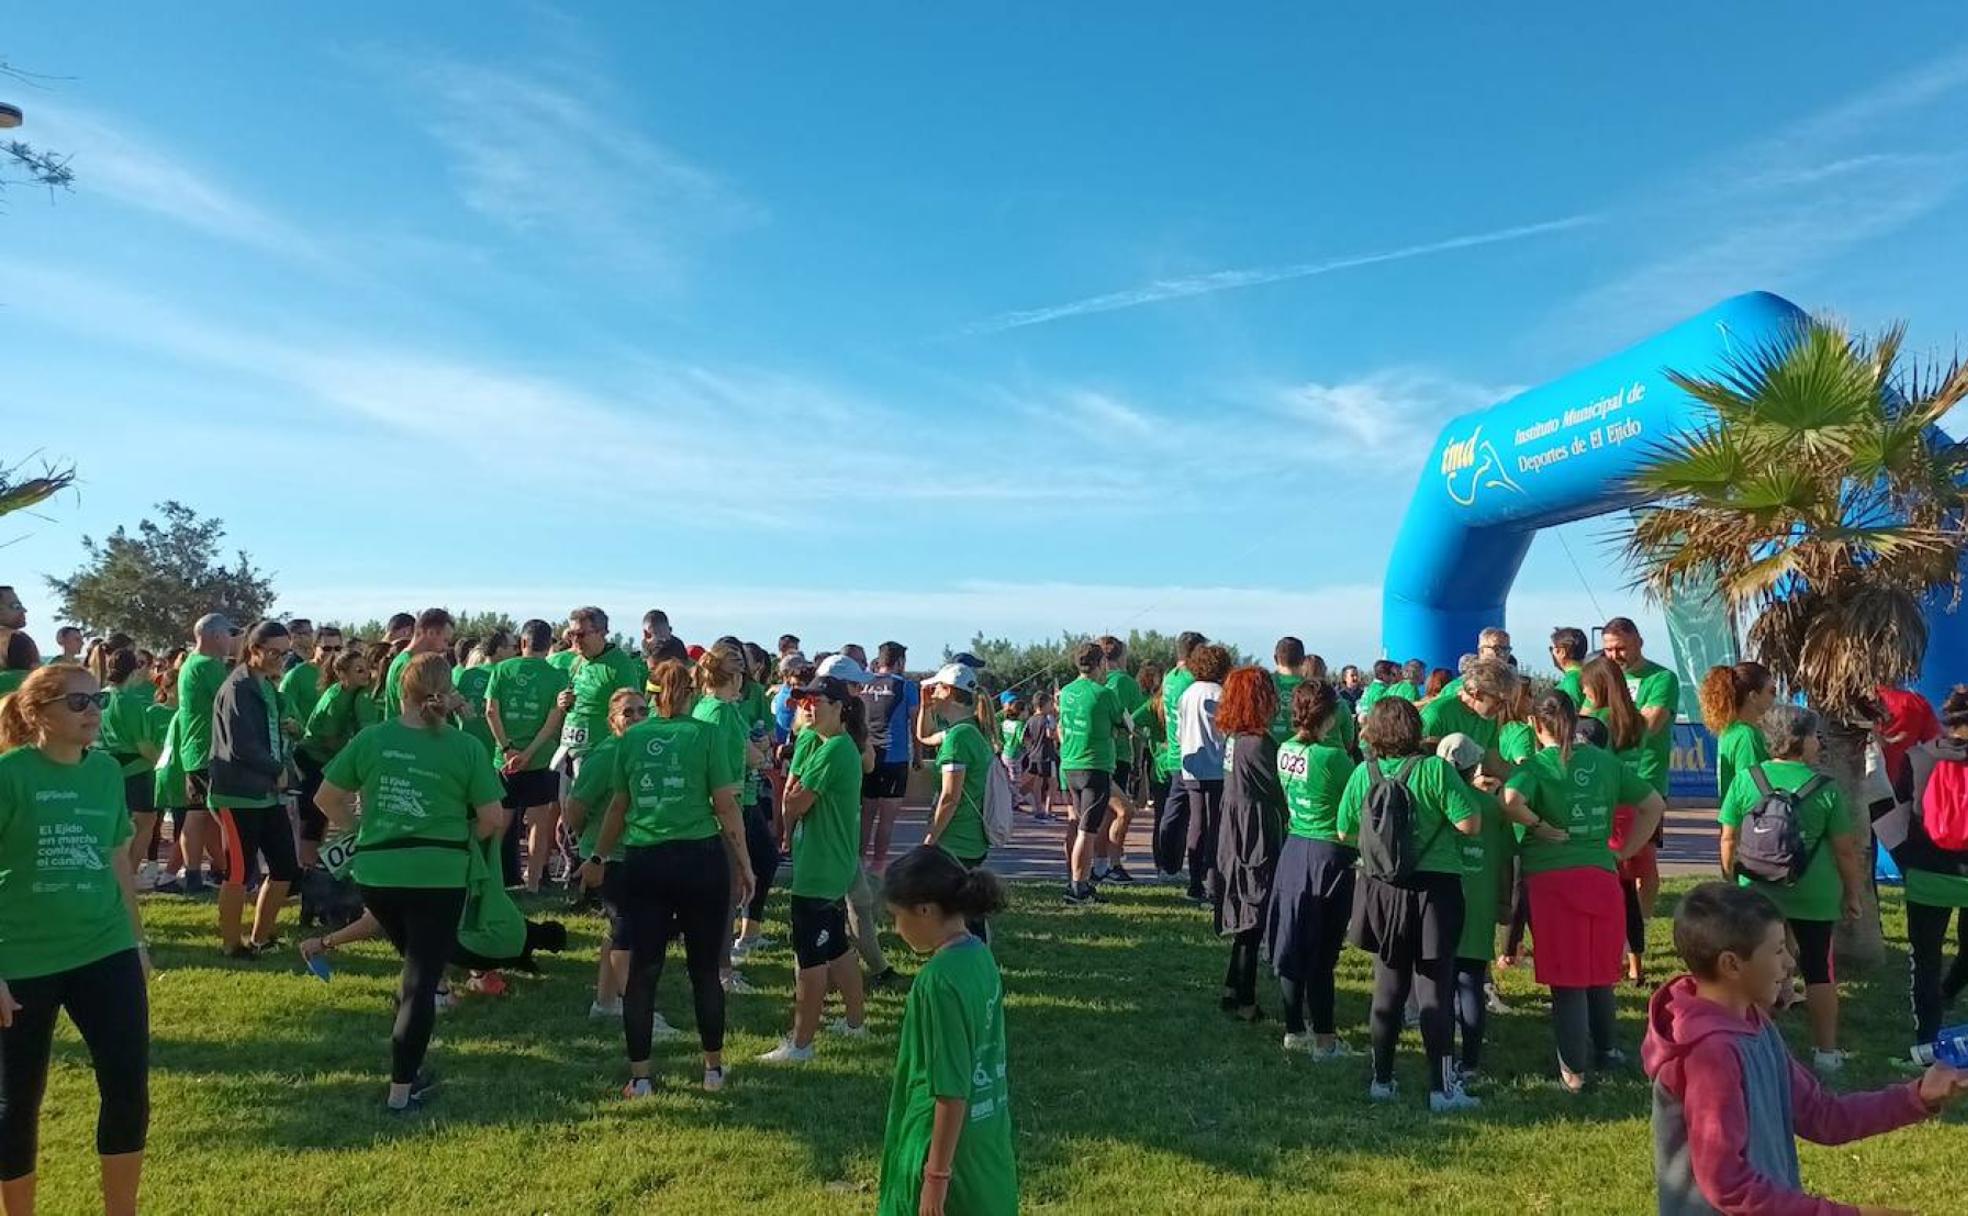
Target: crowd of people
x,y
1442,822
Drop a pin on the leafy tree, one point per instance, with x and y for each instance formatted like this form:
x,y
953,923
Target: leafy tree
x,y
155,584
22,164
1828,507
1046,665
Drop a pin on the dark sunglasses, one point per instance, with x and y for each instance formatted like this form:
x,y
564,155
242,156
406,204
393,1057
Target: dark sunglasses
x,y
79,702
634,713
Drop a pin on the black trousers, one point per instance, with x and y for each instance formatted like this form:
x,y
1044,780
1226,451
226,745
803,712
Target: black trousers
x,y
1472,1010
509,867
682,888
1583,1020
1205,800
422,923
1933,988
762,847
1171,827
106,1001
1433,983
1240,978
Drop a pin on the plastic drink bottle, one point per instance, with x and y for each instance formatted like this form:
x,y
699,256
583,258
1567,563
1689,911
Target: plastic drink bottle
x,y
1950,1047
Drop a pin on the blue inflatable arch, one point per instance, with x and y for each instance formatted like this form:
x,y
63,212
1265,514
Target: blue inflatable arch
x,y
1559,453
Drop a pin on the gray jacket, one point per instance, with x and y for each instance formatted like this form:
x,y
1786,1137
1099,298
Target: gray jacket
x,y
247,759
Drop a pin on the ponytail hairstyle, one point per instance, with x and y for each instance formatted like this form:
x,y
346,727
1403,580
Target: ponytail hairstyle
x,y
106,650
672,695
1604,685
22,713
717,667
1555,712
1312,706
1724,689
121,666
928,875
426,684
461,651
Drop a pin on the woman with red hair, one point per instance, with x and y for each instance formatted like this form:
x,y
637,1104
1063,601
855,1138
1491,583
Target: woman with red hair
x,y
1250,832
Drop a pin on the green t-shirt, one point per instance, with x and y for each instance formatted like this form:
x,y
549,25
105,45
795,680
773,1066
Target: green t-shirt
x,y
1578,798
594,788
1089,712
1738,748
669,768
11,680
1177,683
1012,730
270,697
416,784
1642,758
300,688
757,707
1485,856
1344,730
1281,725
61,826
965,749
1657,687
525,689
126,728
1447,715
1405,691
1314,777
1818,894
1128,695
393,685
594,681
1440,800
1571,683
340,713
1370,696
732,725
198,686
563,660
1516,742
471,683
1936,890
827,839
952,1046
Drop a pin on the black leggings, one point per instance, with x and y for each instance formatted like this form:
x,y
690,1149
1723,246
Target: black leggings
x,y
106,1001
683,887
1636,921
1583,1019
1933,992
422,923
1472,1009
763,849
1171,827
509,867
1312,992
1240,979
1205,801
1433,983
1520,919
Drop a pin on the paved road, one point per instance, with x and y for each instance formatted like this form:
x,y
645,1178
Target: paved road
x,y
1038,849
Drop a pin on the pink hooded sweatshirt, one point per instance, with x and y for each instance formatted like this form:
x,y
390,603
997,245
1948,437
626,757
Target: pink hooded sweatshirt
x,y
1729,1103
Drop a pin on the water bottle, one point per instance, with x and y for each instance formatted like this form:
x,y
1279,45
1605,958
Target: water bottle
x,y
1950,1047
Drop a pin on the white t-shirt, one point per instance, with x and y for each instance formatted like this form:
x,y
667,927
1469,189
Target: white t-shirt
x,y
1196,734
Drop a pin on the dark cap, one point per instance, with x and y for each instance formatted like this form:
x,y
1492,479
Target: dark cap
x,y
968,660
833,688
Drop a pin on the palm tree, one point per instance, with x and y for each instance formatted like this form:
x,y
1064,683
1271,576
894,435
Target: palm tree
x,y
1824,504
18,493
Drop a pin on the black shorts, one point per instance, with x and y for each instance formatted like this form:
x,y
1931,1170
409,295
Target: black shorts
x,y
198,791
258,832
1814,950
819,930
1091,792
140,793
886,780
536,787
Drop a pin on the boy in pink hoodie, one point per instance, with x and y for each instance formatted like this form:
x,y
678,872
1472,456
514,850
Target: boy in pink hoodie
x,y
1729,1100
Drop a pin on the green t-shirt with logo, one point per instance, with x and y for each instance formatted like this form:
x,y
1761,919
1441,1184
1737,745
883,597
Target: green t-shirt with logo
x,y
952,1046
964,747
1281,724
1088,714
1819,893
1314,777
472,683
270,697
669,768
1516,742
198,687
1578,798
1128,695
1440,800
594,681
1485,856
1738,749
526,690
61,826
1656,687
126,729
1177,683
1446,715
1643,758
416,784
340,713
594,788
300,688
827,839
1012,730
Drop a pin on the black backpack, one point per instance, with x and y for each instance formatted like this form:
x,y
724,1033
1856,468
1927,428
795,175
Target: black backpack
x,y
1770,842
1387,825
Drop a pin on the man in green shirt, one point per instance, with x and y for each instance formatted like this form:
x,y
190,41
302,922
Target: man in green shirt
x,y
1089,714
1491,643
523,713
432,635
598,669
1656,693
1111,849
1171,817
1287,657
198,685
300,684
1568,656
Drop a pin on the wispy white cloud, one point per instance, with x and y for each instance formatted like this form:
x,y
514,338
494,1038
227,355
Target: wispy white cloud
x,y
1231,280
1381,416
115,159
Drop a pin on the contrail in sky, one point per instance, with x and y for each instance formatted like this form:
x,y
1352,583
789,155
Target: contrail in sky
x,y
1230,280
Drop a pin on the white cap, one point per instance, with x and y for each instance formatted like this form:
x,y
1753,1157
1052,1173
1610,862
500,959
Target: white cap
x,y
845,669
956,675
1461,751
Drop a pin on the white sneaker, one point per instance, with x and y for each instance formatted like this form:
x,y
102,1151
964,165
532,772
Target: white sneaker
x,y
1829,1063
1301,1043
787,1053
598,1011
745,947
737,983
1378,1091
847,1029
1452,1100
662,1029
1493,1000
713,1080
1338,1051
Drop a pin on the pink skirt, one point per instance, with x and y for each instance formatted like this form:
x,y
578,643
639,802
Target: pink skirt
x,y
1579,919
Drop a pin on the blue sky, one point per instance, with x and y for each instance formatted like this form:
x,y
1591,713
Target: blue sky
x,y
905,320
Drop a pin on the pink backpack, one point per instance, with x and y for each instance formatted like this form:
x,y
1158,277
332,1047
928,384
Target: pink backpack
x,y
1944,806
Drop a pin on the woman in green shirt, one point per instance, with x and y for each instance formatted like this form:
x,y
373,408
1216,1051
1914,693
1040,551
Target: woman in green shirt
x,y
1608,700
588,800
127,737
675,806
340,712
1830,885
1733,700
1412,924
721,685
1312,895
70,937
428,789
947,1142
1937,874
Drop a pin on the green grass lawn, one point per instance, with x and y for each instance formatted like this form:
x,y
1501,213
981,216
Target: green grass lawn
x,y
1133,1094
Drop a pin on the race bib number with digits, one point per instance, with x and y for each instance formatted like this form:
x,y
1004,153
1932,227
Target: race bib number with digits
x,y
338,853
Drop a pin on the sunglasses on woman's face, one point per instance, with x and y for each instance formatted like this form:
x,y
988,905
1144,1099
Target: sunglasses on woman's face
x,y
634,713
79,702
